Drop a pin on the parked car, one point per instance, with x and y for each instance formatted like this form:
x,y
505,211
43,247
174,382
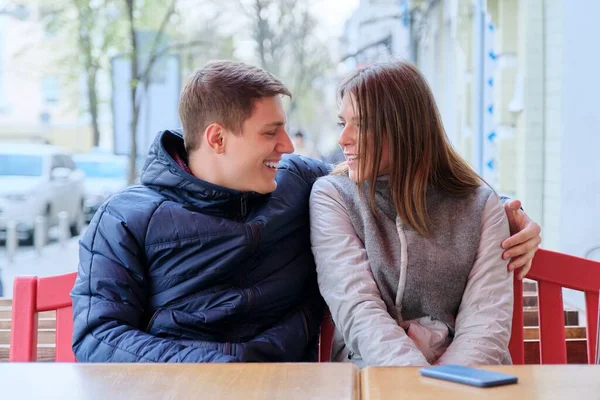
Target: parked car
x,y
38,180
105,175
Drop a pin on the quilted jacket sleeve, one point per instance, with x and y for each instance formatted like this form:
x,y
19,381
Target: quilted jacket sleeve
x,y
109,300
291,339
307,168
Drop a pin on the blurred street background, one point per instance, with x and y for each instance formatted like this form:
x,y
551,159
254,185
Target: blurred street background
x,y
86,84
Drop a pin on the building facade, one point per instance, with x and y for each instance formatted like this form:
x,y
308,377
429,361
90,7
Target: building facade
x,y
546,129
39,102
376,31
521,105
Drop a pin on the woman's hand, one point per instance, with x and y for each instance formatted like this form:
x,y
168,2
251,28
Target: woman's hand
x,y
525,239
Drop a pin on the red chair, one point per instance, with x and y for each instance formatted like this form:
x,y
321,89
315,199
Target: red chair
x,y
326,338
32,295
554,271
598,338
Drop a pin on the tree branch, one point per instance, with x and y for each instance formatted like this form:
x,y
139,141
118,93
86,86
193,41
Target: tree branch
x,y
244,8
178,46
163,25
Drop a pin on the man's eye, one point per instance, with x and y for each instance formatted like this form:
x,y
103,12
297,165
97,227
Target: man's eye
x,y
270,133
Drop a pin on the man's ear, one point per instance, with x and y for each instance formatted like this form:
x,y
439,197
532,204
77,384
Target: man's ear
x,y
214,135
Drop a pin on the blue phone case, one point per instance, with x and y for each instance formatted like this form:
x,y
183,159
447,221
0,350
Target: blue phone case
x,y
468,375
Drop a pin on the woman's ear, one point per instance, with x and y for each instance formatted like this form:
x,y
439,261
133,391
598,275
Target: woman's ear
x,y
214,136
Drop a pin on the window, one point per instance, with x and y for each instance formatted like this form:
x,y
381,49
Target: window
x,y
103,169
20,165
51,89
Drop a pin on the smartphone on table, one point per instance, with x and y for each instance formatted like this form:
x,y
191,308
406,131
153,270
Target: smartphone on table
x,y
468,375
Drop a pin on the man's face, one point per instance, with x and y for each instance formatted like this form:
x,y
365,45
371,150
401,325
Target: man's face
x,y
252,157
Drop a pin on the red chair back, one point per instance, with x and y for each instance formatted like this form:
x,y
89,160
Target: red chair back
x,y
554,271
326,338
598,338
32,295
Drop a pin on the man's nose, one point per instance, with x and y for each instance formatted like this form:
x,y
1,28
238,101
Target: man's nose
x,y
285,145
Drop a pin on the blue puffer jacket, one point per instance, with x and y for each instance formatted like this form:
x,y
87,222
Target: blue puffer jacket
x,y
180,270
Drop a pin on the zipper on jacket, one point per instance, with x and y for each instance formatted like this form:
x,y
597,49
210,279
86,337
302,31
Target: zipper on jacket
x,y
250,298
244,206
149,324
254,231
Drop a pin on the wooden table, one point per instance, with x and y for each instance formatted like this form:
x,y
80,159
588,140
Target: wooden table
x,y
178,381
535,382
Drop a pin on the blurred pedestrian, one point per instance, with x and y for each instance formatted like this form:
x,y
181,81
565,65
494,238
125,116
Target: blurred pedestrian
x,y
304,147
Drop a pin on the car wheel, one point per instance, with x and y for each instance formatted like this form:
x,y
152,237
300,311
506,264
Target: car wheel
x,y
77,225
28,241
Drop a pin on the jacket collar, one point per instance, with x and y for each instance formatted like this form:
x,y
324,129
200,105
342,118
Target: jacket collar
x,y
162,172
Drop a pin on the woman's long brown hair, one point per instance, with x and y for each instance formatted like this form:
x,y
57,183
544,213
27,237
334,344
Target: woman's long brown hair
x,y
395,105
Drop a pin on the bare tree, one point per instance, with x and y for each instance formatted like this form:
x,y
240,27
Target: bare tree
x,y
92,31
97,33
287,45
140,79
261,31
86,19
140,74
84,32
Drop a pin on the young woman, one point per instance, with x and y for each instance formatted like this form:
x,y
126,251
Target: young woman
x,y
406,236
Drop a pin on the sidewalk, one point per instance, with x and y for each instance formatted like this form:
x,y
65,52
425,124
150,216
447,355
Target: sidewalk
x,y
54,260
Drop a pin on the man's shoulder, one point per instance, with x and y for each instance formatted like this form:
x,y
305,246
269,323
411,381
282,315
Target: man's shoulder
x,y
134,204
307,168
126,214
138,196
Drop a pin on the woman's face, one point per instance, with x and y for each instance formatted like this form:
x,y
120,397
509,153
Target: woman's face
x,y
349,141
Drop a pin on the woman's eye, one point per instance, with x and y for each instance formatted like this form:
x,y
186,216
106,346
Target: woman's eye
x,y
341,124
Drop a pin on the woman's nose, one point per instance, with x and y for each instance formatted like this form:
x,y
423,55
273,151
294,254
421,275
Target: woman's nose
x,y
345,137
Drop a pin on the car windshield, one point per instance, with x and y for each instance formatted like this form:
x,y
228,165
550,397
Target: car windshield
x,y
20,165
102,169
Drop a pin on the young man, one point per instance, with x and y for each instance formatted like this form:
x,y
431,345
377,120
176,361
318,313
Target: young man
x,y
209,259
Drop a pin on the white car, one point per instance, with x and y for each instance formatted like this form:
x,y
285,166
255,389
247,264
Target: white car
x,y
105,175
38,180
